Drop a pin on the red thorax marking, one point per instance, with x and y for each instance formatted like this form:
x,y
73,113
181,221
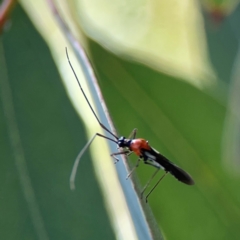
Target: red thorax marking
x,y
138,144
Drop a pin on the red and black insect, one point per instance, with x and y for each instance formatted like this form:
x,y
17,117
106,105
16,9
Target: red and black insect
x,y
129,145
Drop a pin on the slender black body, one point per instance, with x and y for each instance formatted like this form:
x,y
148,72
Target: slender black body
x,y
157,160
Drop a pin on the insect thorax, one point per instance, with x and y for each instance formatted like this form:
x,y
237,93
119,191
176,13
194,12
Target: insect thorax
x,y
123,142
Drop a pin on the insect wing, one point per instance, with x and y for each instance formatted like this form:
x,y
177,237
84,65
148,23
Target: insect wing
x,y
162,162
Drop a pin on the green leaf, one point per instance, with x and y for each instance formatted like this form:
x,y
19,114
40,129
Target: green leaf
x,y
185,124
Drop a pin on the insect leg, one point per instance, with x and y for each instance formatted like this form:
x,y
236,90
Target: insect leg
x,y
147,184
130,152
77,160
133,134
156,185
130,173
119,153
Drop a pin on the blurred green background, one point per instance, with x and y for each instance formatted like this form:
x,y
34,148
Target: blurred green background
x,y
196,126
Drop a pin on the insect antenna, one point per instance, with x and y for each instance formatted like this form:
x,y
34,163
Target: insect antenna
x,y
104,127
77,160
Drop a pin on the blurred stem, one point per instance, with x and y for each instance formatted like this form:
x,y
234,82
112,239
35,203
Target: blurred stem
x,y
231,130
230,143
144,230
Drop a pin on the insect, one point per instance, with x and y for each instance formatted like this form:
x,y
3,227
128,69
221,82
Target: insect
x,y
129,145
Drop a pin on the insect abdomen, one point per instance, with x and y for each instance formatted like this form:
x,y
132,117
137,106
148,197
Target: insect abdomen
x,y
168,166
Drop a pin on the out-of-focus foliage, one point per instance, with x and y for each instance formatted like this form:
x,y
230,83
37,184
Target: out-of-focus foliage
x,y
192,126
186,125
219,9
166,35
39,204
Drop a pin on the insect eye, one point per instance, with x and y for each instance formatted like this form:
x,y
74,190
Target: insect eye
x,y
121,142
